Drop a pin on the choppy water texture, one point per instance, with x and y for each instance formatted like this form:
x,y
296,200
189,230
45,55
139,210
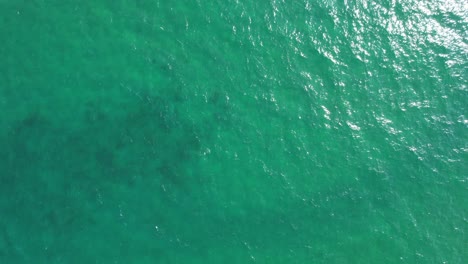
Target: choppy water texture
x,y
233,131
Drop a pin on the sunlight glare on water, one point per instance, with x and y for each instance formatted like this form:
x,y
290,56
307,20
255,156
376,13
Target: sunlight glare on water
x,y
233,131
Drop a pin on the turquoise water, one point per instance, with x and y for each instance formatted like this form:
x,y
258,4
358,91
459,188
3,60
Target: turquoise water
x,y
233,131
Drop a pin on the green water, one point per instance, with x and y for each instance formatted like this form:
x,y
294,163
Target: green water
x,y
233,131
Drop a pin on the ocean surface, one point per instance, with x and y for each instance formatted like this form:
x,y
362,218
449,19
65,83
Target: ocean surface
x,y
234,131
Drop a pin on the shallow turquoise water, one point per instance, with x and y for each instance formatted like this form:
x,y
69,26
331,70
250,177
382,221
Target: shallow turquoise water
x,y
233,131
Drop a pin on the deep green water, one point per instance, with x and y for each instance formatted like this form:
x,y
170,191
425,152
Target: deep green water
x,y
230,131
